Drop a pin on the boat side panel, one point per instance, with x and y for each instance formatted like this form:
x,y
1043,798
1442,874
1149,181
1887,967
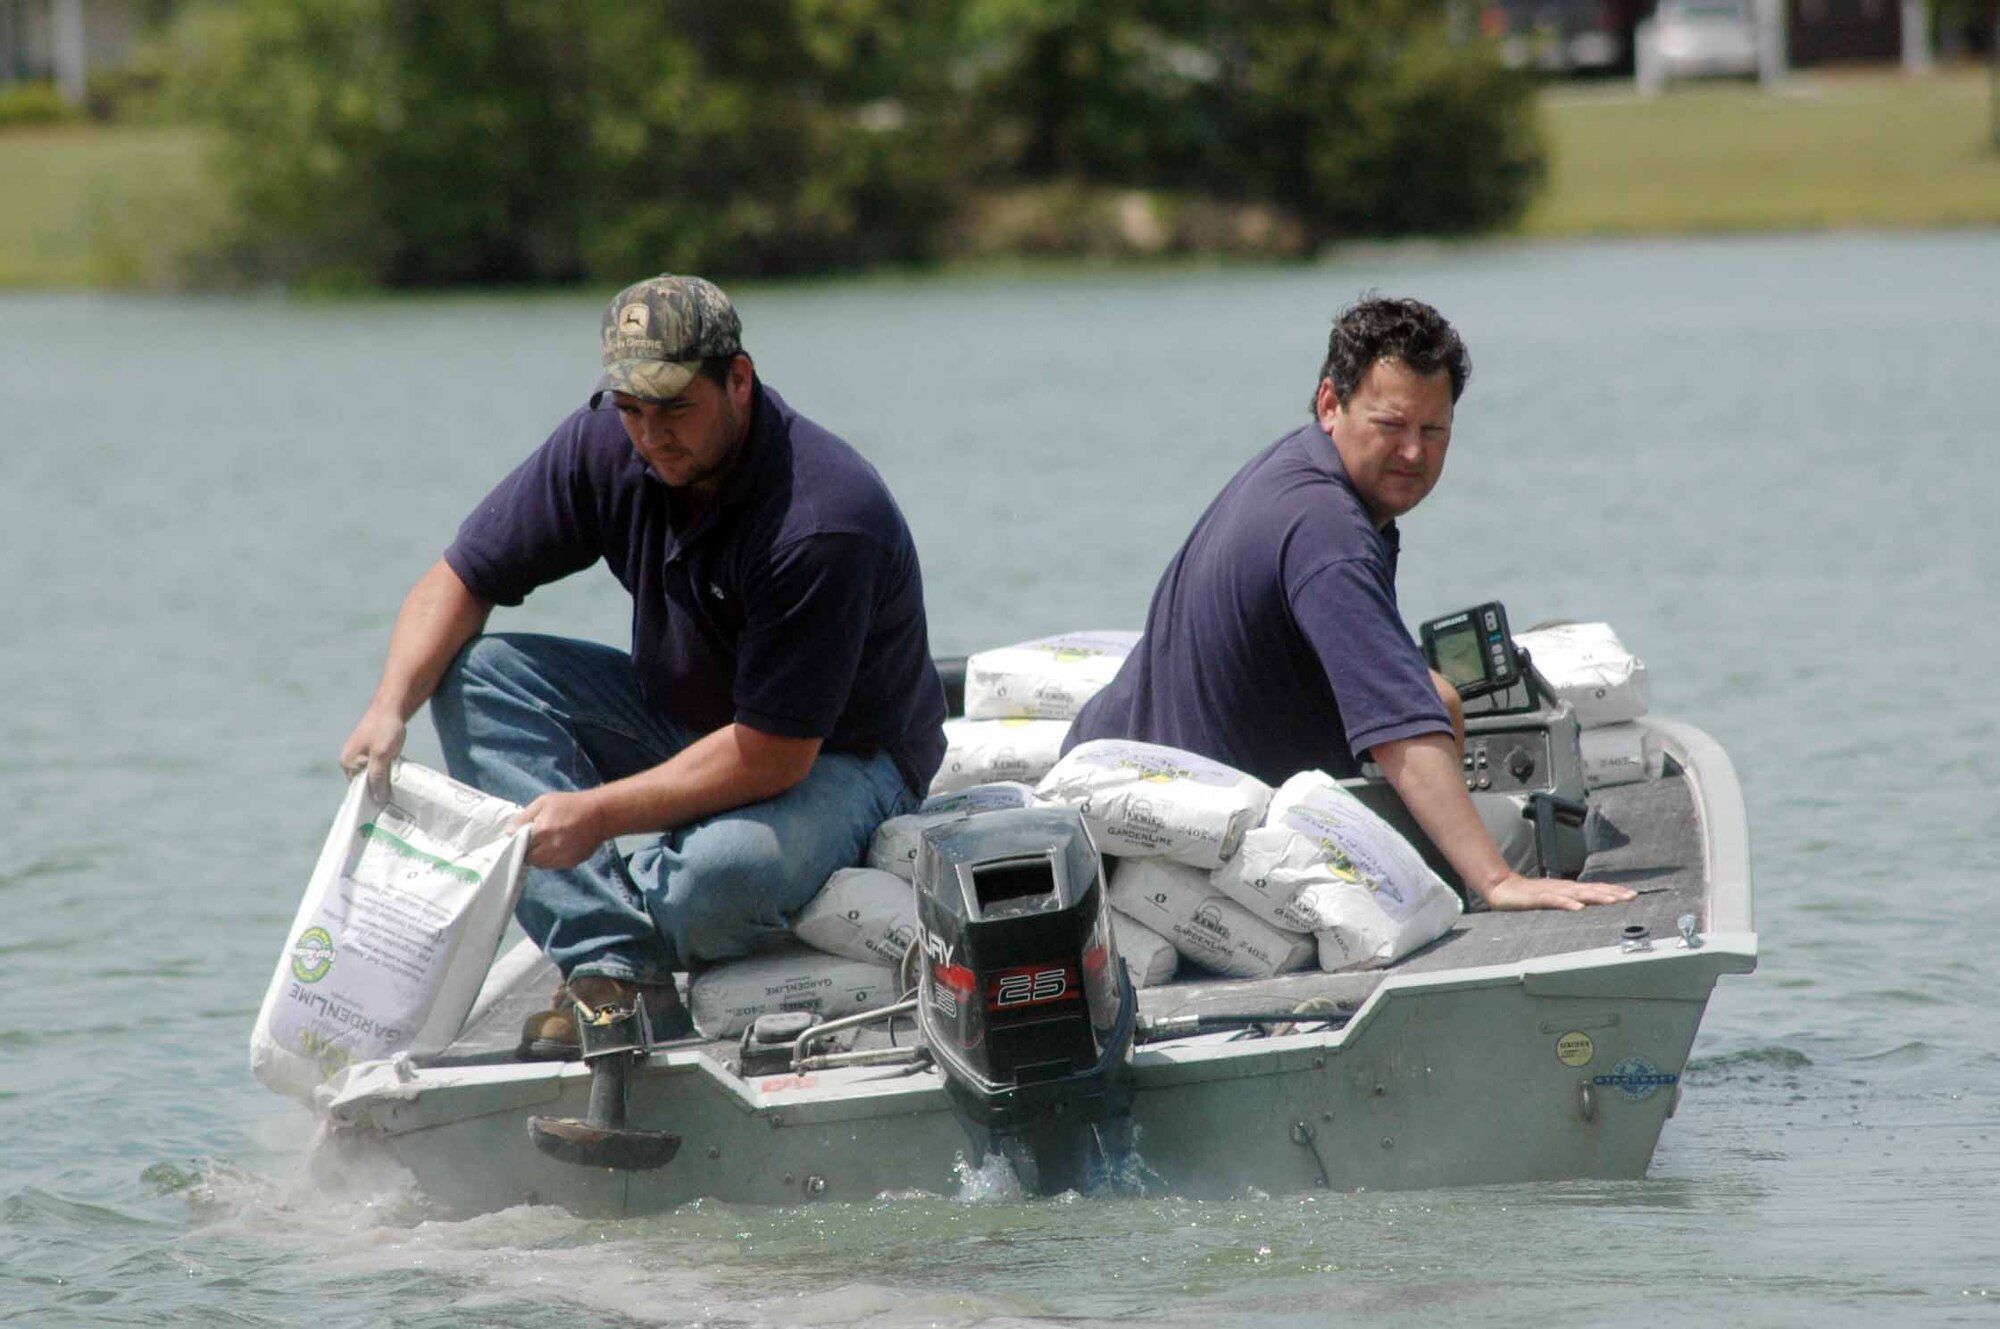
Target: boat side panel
x,y
1441,1088
900,1137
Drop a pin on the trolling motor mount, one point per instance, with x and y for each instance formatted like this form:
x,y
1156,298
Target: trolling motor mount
x,y
614,1040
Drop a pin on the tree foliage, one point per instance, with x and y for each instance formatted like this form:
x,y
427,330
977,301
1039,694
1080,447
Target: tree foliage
x,y
402,142
1362,117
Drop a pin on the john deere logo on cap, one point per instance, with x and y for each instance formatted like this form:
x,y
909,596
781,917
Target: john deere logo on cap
x,y
633,320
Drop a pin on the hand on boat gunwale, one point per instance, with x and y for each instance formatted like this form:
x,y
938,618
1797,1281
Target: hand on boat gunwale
x,y
1519,892
565,829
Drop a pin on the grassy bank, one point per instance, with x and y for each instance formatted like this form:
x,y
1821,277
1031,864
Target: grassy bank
x,y
93,206
1832,150
123,207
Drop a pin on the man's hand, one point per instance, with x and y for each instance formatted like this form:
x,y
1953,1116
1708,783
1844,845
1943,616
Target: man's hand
x,y
567,828
1519,892
375,743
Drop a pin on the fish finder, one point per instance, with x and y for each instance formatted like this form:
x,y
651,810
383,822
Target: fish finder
x,y
1473,650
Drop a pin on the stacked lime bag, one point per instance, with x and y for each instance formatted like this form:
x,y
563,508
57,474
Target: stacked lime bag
x,y
1207,865
1588,667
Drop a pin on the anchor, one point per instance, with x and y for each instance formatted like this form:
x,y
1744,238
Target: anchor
x,y
614,1040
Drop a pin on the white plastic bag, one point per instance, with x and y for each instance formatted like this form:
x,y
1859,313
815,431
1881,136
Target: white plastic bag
x,y
861,914
726,999
995,751
893,847
1206,927
1323,862
1590,669
1046,679
1142,800
398,925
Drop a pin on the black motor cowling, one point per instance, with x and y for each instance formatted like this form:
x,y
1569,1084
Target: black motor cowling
x,y
1023,1000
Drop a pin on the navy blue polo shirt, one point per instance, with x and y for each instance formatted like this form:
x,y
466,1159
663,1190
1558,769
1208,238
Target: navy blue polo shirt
x,y
793,604
1273,642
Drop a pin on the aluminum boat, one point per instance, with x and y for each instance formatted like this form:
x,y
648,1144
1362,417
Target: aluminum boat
x,y
1518,1047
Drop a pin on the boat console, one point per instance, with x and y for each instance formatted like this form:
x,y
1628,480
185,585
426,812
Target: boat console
x,y
1523,761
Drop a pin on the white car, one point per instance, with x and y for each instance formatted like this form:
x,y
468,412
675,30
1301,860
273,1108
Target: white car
x,y
1704,39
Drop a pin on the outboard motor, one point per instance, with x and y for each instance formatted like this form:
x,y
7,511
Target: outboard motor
x,y
1022,1000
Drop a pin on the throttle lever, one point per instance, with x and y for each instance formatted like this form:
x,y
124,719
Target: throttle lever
x,y
1546,810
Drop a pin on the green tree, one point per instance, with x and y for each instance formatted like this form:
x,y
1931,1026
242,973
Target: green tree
x,y
1371,117
771,135
407,143
1109,90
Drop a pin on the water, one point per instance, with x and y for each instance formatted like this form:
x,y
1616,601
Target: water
x,y
1770,463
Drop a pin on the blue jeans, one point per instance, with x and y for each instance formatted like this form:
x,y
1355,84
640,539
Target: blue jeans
x,y
521,715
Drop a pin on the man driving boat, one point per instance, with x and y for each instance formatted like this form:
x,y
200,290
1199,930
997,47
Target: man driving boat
x,y
1274,642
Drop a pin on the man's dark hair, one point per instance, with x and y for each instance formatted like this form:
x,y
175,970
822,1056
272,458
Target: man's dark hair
x,y
1376,327
715,368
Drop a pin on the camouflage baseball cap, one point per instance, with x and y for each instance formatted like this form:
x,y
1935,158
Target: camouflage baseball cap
x,y
657,333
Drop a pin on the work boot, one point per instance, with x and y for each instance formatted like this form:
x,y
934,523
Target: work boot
x,y
552,1035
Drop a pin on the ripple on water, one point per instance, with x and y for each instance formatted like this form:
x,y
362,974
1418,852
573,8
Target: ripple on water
x,y
1912,1053
1748,1064
44,1211
1902,997
43,867
41,948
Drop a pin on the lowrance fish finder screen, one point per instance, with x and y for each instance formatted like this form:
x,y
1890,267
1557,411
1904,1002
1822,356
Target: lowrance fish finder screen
x,y
1473,649
1458,657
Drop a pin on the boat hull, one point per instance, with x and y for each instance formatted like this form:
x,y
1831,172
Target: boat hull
x,y
1513,1074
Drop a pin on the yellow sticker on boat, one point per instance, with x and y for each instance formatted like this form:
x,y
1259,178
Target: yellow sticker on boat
x,y
1575,1048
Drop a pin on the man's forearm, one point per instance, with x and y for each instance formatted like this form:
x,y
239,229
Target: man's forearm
x,y
729,768
438,617
1426,775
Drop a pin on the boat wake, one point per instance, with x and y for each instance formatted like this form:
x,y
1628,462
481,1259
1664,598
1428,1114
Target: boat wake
x,y
348,1227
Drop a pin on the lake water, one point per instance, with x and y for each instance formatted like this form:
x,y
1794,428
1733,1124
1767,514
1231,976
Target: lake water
x,y
1772,464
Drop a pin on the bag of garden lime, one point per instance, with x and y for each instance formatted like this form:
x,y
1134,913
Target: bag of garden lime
x,y
1324,863
1590,669
981,752
1142,800
861,914
1149,957
727,999
1205,927
893,847
397,928
1046,679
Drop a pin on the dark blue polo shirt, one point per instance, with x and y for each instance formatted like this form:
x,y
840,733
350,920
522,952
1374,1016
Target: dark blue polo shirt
x,y
793,605
1273,642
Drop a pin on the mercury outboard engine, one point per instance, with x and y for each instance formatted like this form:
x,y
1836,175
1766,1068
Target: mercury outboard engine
x,y
1023,1001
